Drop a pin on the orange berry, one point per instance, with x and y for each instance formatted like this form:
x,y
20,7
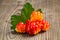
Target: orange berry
x,y
20,27
36,15
45,26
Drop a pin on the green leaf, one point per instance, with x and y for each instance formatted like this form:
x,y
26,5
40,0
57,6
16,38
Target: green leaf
x,y
25,14
13,27
14,20
40,10
26,11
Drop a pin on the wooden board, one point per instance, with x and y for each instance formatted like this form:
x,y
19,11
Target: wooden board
x,y
51,12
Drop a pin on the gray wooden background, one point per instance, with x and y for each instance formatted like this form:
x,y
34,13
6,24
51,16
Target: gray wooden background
x,y
51,12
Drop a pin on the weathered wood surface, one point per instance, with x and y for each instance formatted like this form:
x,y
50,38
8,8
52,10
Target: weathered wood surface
x,y
51,11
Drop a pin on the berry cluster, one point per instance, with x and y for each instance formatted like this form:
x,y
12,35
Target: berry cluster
x,y
34,25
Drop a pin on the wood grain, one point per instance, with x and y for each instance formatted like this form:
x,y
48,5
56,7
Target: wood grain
x,y
51,12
